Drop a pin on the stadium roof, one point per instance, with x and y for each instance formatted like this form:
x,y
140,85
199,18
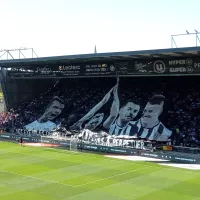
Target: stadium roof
x,y
146,54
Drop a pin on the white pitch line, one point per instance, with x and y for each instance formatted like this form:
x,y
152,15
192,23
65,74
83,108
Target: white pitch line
x,y
113,176
55,182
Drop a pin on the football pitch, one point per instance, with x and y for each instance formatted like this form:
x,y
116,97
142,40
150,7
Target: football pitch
x,y
36,173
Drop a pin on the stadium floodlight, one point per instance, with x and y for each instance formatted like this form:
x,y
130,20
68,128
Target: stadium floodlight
x,y
197,37
187,32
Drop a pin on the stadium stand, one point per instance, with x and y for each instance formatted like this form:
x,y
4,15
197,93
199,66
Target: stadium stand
x,y
181,112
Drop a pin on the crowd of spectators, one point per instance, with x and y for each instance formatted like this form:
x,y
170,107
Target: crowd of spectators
x,y
181,111
6,118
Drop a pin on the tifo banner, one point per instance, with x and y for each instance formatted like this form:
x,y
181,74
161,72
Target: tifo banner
x,y
113,113
130,67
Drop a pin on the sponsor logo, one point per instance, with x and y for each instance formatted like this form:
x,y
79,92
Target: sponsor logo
x,y
189,69
196,65
149,154
178,70
112,68
177,62
69,67
62,143
5,136
140,66
43,69
142,70
185,159
189,61
91,147
118,150
45,141
159,67
103,65
123,65
181,69
123,68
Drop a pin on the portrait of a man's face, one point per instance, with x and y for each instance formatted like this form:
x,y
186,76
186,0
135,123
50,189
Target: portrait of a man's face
x,y
95,121
151,114
129,111
54,109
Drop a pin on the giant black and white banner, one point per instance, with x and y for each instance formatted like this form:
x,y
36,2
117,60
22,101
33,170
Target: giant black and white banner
x,y
115,116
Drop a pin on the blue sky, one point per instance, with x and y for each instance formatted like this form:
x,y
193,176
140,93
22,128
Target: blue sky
x,y
62,27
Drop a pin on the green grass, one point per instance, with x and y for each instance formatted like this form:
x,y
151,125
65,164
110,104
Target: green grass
x,y
34,173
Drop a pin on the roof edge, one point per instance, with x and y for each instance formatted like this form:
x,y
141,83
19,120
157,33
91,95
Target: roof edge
x,y
106,54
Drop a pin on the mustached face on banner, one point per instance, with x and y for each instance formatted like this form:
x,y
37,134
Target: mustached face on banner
x,y
95,121
129,111
54,109
152,111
